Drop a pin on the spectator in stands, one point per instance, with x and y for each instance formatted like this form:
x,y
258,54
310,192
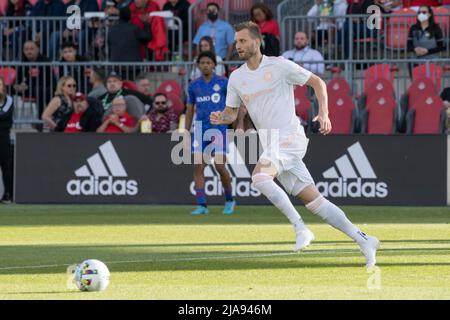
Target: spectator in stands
x,y
34,81
44,28
76,36
112,7
445,96
180,9
14,31
302,52
70,56
143,85
263,16
6,157
163,118
125,38
220,31
416,4
96,39
86,115
61,105
206,44
114,87
97,81
446,4
140,17
326,26
119,121
356,28
389,6
425,37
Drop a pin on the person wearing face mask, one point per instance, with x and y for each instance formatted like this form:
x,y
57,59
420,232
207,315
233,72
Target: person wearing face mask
x,y
220,31
425,38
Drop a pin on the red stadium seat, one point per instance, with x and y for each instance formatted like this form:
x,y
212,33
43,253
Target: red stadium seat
x,y
174,102
341,109
9,75
128,84
442,17
426,115
396,36
380,117
432,71
170,87
338,86
302,102
420,88
376,72
379,88
398,17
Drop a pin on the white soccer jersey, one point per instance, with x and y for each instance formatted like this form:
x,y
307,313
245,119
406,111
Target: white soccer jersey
x,y
268,94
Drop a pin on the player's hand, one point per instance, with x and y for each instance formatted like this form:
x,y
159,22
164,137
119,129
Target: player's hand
x,y
216,117
325,123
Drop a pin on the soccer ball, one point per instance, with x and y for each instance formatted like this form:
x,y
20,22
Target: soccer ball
x,y
91,275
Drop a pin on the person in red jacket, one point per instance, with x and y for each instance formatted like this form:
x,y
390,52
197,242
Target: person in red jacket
x,y
119,121
263,16
140,11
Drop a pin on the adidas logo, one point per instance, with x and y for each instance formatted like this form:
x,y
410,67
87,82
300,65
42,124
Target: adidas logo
x,y
103,175
355,177
241,182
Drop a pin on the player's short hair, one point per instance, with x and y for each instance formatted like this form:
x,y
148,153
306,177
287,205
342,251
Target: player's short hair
x,y
207,54
252,27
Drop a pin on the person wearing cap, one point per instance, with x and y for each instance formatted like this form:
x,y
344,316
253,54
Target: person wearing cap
x,y
86,115
114,87
118,121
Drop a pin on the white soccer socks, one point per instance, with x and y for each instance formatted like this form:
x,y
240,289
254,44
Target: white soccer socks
x,y
334,216
265,184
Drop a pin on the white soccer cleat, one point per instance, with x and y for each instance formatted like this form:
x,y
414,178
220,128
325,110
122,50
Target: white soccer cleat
x,y
304,239
369,248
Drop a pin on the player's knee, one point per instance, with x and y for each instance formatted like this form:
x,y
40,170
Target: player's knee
x,y
315,205
260,178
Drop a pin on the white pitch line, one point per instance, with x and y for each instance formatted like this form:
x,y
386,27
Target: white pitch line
x,y
158,260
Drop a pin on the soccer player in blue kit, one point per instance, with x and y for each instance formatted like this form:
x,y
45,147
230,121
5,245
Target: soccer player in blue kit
x,y
207,94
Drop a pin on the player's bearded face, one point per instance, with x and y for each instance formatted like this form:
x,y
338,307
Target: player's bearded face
x,y
247,51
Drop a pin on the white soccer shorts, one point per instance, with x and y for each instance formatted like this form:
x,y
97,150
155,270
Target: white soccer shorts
x,y
288,160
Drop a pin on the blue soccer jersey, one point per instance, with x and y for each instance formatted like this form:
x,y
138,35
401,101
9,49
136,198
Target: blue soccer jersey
x,y
207,97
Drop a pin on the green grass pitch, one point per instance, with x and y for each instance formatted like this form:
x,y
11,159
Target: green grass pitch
x,y
161,252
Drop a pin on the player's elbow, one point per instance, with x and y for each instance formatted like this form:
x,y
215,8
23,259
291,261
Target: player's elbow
x,y
316,82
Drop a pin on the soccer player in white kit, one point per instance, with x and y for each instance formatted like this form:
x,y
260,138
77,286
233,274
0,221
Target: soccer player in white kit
x,y
266,87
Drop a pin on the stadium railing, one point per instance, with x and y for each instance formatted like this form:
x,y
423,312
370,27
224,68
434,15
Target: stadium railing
x,y
41,89
337,42
91,38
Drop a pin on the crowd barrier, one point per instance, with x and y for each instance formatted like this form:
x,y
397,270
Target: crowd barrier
x,y
336,39
41,78
91,37
140,169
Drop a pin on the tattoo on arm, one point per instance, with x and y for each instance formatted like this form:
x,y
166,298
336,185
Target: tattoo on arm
x,y
229,115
